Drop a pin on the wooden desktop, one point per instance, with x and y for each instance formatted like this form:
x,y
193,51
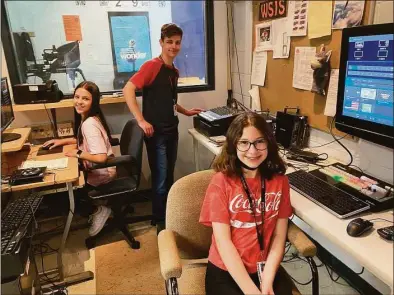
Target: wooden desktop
x,y
70,176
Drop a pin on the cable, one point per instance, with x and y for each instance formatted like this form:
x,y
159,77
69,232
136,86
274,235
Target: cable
x,y
382,219
32,213
236,54
340,143
332,272
358,168
317,146
210,165
229,50
361,272
52,123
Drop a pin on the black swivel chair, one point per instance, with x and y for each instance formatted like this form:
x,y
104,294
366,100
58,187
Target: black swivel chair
x,y
122,191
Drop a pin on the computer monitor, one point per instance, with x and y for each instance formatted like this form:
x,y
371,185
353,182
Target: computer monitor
x,y
365,88
7,114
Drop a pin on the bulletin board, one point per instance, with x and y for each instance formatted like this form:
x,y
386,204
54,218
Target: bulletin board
x,y
279,92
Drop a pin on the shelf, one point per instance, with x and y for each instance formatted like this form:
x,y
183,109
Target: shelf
x,y
65,103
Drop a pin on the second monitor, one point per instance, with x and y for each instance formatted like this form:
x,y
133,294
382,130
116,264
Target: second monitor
x,y
7,113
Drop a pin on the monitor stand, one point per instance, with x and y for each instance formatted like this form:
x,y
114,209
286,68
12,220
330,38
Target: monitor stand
x,y
6,137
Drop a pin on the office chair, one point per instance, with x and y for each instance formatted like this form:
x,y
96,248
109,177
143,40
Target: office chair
x,y
122,191
184,244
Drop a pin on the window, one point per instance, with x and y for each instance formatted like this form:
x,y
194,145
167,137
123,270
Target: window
x,y
104,41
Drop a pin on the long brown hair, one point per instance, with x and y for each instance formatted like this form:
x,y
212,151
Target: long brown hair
x,y
95,110
227,161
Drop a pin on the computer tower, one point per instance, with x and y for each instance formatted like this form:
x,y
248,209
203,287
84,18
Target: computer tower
x,y
291,129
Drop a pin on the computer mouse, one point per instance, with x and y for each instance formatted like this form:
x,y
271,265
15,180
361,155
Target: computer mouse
x,y
358,226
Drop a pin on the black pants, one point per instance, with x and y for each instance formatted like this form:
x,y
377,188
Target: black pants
x,y
162,151
83,204
220,282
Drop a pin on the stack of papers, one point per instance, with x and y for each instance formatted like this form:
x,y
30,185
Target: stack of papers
x,y
54,164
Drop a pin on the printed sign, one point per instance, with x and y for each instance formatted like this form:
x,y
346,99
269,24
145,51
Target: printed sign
x,y
72,27
270,9
130,41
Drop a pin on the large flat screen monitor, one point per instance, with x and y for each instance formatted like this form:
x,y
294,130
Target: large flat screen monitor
x,y
7,114
365,88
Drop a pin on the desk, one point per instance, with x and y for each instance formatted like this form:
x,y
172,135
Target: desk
x,y
15,145
67,176
371,251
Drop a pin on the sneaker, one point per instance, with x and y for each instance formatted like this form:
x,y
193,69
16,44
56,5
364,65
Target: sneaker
x,y
98,220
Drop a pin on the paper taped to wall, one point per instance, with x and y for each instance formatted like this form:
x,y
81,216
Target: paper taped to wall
x,y
332,95
259,67
302,72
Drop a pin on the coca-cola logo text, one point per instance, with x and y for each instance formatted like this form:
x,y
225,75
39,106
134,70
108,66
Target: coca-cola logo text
x,y
240,204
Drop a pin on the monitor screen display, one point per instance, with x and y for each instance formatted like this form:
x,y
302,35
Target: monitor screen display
x,y
368,87
7,115
131,44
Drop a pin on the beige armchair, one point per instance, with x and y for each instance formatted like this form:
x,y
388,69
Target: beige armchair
x,y
184,244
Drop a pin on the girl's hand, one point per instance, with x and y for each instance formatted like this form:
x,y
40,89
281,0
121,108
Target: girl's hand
x,y
72,154
53,143
267,289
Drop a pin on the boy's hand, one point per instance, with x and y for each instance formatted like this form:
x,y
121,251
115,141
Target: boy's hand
x,y
267,289
147,127
194,111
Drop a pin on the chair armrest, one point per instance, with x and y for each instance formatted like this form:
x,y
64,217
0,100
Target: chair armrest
x,y
170,263
114,141
114,161
300,241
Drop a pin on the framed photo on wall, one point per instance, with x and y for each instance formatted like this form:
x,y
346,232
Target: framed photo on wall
x,y
264,36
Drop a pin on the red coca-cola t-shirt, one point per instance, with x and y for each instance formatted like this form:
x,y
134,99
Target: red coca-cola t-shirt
x,y
226,202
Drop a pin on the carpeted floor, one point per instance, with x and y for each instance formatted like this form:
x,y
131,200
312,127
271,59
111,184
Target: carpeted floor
x,y
122,270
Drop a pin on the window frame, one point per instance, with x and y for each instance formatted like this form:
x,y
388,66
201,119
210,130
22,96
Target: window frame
x,y
12,62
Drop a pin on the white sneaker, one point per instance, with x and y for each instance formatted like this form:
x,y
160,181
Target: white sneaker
x,y
98,220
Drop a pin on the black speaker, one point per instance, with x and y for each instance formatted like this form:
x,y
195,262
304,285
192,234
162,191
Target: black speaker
x,y
291,129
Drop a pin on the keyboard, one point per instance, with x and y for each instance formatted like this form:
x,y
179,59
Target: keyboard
x,y
218,113
362,183
329,197
15,220
54,164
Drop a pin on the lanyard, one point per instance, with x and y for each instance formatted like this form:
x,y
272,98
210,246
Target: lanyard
x,y
173,83
260,233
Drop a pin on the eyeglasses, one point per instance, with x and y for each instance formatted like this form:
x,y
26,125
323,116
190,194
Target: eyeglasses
x,y
244,145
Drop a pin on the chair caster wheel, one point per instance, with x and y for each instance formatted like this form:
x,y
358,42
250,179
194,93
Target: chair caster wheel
x,y
135,245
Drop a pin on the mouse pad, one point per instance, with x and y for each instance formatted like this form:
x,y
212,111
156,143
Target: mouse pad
x,y
56,150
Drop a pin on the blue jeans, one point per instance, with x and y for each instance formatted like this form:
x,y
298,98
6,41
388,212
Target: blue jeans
x,y
162,151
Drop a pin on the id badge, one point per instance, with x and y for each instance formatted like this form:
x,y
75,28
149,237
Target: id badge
x,y
175,111
260,269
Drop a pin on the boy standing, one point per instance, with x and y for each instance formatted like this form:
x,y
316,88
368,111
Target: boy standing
x,y
158,79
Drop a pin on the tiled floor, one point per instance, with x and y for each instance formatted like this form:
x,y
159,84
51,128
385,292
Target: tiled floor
x,y
300,271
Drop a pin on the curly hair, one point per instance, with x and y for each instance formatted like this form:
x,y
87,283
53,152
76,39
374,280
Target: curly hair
x,y
228,163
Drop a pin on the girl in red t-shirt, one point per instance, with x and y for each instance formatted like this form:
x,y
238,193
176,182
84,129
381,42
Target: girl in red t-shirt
x,y
248,205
